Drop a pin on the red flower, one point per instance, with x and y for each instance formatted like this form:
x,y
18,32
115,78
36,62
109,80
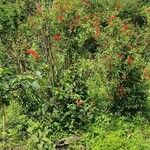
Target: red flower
x,y
124,28
130,60
60,18
57,37
79,102
32,53
112,18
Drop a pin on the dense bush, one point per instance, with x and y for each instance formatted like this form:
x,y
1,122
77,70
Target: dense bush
x,y
63,63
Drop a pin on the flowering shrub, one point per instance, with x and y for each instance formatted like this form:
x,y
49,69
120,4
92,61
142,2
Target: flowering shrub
x,y
125,71
75,58
32,53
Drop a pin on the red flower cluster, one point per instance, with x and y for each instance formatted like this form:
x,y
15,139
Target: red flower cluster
x,y
32,53
124,28
57,37
130,60
60,18
79,102
110,19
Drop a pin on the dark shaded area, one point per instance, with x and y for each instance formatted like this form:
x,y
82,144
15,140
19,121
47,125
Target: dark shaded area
x,y
90,45
104,24
139,21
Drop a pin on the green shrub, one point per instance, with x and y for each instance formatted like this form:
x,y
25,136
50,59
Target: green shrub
x,y
65,62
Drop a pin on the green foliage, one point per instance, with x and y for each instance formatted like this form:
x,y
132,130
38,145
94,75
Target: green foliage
x,y
6,86
71,99
63,63
118,133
